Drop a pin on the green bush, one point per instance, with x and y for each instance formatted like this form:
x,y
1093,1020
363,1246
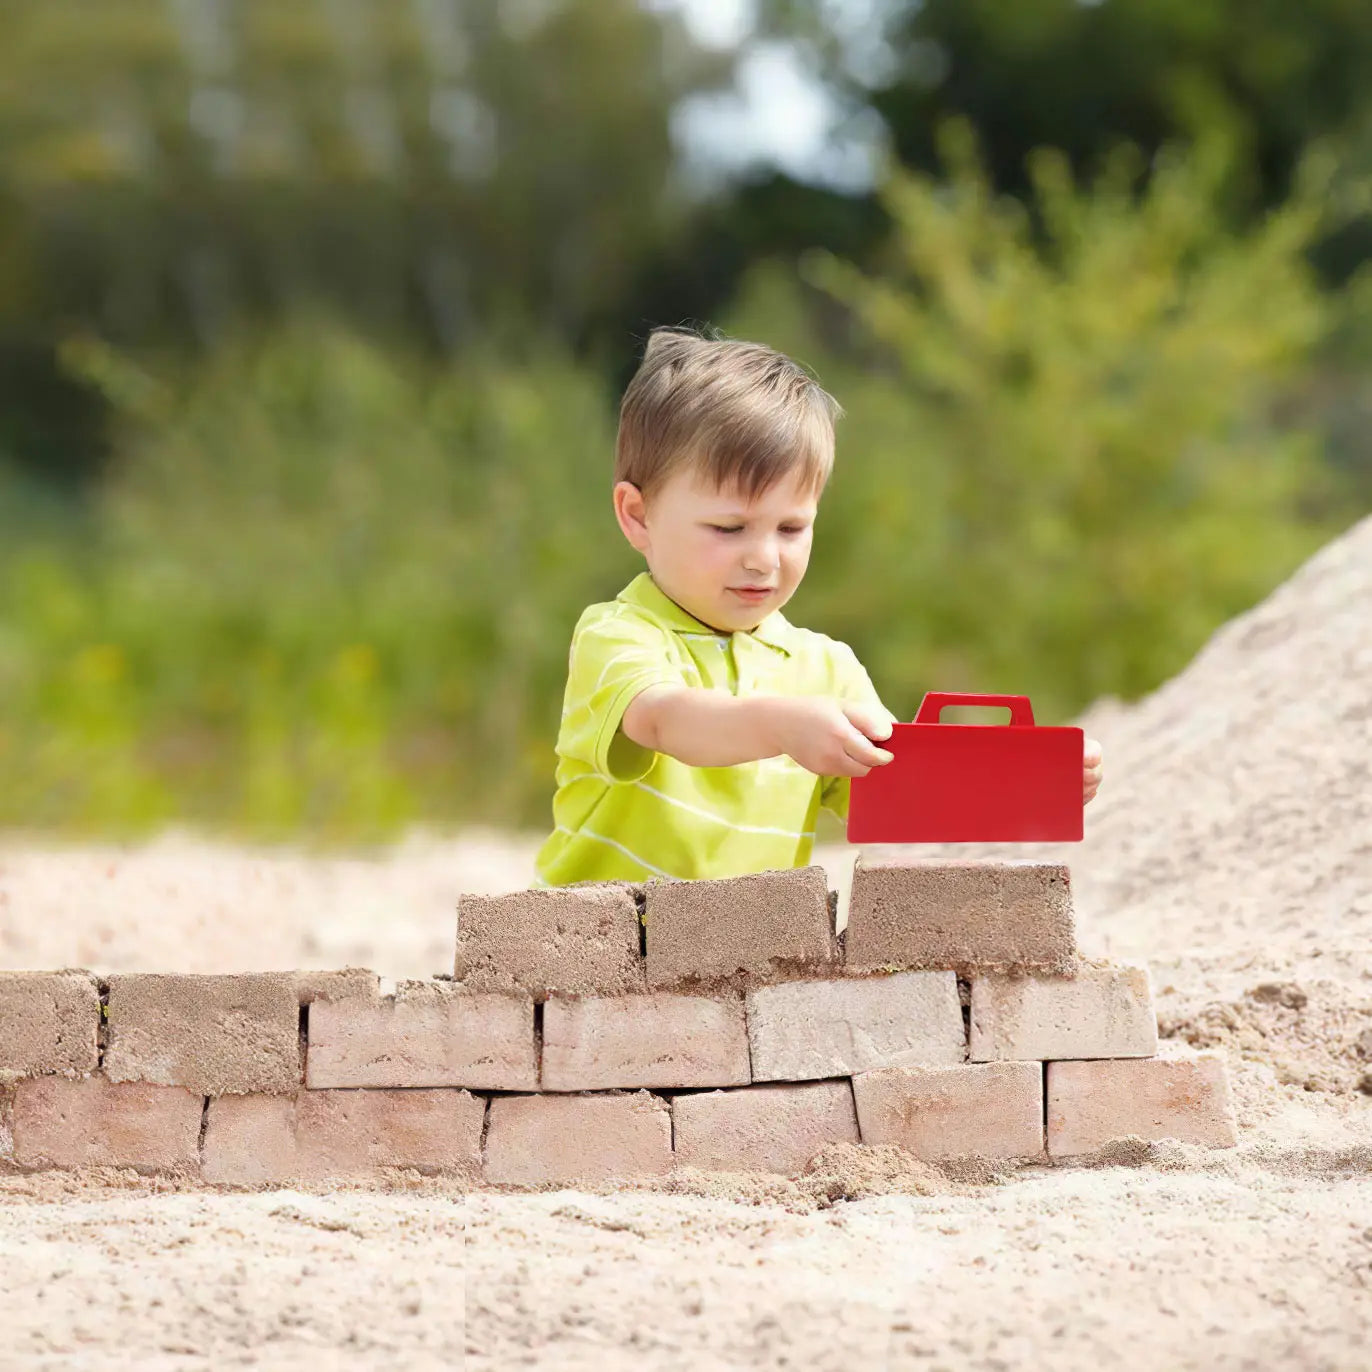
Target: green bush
x,y
1065,461
328,591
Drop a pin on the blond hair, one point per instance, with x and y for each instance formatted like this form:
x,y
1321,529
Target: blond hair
x,y
744,415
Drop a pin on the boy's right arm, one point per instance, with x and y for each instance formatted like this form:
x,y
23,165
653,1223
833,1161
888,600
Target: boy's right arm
x,y
710,728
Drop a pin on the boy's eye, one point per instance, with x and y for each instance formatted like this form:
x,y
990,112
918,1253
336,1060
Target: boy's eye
x,y
735,528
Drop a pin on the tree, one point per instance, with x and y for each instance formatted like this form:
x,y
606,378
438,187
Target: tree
x,y
1271,76
174,169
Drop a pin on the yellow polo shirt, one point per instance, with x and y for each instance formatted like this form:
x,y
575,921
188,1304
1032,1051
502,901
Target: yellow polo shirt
x,y
624,812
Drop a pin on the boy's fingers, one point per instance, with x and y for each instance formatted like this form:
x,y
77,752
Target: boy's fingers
x,y
874,721
1091,752
862,749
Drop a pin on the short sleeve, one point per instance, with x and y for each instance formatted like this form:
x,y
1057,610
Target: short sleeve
x,y
851,682
612,661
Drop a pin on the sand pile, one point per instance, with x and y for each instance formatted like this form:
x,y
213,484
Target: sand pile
x,y
1231,844
1237,801
1241,794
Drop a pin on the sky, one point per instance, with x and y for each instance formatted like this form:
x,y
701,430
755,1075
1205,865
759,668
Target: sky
x,y
778,116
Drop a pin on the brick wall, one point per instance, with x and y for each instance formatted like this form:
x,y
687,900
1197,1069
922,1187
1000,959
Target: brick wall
x,y
611,1031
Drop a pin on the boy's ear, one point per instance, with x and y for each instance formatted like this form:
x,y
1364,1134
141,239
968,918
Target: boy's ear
x,y
629,511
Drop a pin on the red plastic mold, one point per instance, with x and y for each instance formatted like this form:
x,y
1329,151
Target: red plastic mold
x,y
972,783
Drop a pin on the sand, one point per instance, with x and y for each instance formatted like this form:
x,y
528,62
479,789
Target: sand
x,y
1118,1268
1230,847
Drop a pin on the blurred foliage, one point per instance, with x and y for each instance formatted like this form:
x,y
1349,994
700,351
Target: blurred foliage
x,y
1070,451
174,167
312,320
328,589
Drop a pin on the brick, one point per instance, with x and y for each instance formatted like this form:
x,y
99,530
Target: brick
x,y
92,1122
808,1030
532,1140
1182,1096
215,1035
724,927
313,986
994,1109
1101,1012
48,1023
763,1128
658,1039
354,1133
971,916
250,1140
341,1135
580,939
429,1033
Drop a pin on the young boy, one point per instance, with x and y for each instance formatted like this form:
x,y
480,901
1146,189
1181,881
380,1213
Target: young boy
x,y
701,730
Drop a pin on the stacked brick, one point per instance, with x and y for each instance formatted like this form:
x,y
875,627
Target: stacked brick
x,y
614,1031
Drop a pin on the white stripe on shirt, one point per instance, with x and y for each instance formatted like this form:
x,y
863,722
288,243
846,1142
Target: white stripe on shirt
x,y
707,814
600,838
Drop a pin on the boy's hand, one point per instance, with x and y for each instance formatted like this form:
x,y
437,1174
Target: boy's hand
x,y
830,737
1094,766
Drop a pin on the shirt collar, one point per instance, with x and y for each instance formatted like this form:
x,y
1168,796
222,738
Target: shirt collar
x,y
643,591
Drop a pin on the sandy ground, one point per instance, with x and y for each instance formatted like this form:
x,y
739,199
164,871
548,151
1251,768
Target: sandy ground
x,y
1123,1267
1230,848
1170,1258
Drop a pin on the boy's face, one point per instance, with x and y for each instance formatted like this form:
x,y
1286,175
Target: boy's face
x,y
706,547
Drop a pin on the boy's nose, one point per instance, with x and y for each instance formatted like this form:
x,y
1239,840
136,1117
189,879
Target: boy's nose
x,y
761,561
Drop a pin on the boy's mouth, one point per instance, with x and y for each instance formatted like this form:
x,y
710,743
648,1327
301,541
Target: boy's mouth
x,y
751,593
